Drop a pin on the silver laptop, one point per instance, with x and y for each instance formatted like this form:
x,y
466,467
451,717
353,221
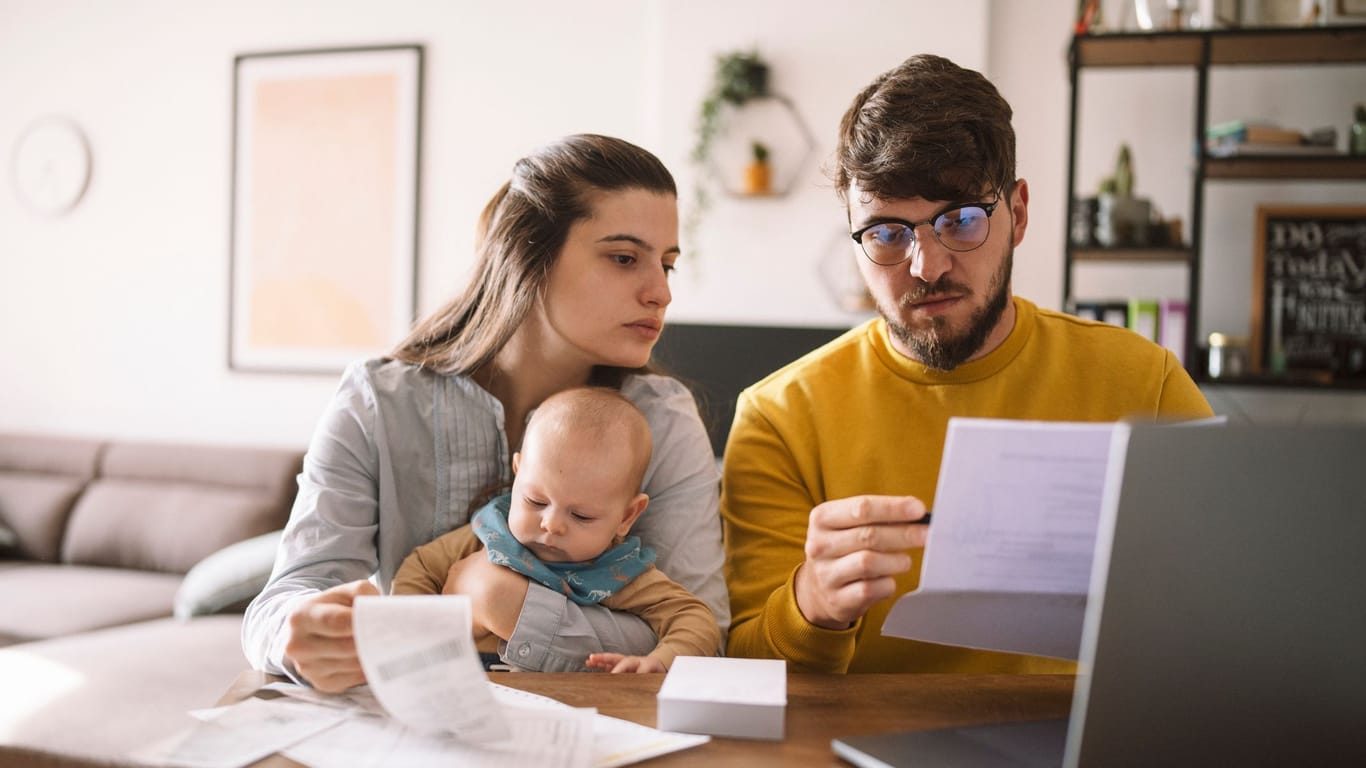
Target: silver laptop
x,y
1227,623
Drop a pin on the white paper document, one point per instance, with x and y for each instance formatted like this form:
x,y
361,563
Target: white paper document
x,y
555,738
227,737
1008,560
428,702
420,662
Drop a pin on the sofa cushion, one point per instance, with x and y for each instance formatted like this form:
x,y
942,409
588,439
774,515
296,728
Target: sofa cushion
x,y
104,694
44,600
40,477
165,507
267,470
35,508
157,526
229,578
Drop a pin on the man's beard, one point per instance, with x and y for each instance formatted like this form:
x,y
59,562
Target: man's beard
x,y
932,346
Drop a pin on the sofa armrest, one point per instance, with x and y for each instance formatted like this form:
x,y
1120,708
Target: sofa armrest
x,y
229,578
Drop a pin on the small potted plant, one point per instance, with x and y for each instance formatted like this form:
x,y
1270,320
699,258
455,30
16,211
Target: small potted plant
x,y
758,174
739,76
1121,219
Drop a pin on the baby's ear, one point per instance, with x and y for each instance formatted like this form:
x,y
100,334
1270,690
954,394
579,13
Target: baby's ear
x,y
633,510
516,460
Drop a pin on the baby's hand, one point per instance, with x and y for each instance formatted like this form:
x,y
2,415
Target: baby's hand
x,y
616,662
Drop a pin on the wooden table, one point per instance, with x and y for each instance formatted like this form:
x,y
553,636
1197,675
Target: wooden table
x,y
819,708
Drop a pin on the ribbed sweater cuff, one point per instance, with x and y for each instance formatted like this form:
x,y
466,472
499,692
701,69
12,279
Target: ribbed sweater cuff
x,y
807,647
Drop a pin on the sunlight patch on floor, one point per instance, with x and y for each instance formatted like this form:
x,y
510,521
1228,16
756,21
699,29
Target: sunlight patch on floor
x,y
37,681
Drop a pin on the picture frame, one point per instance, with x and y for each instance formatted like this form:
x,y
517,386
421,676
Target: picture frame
x,y
1309,292
326,154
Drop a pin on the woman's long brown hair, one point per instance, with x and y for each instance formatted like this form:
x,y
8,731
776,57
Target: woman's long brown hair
x,y
521,232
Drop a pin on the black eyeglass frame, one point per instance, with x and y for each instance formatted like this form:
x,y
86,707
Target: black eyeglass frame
x,y
912,226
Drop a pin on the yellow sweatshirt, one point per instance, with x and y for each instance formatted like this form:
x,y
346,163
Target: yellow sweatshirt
x,y
856,417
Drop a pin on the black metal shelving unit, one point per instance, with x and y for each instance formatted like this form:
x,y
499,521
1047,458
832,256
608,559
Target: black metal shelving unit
x,y
1202,50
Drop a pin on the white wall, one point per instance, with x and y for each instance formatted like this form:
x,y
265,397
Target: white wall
x,y
113,317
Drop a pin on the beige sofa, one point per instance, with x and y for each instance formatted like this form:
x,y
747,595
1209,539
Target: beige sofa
x,y
124,567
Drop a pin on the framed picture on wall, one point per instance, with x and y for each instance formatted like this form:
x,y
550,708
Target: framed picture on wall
x,y
1309,292
325,162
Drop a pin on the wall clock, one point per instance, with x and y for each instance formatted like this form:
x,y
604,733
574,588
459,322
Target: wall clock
x,y
51,165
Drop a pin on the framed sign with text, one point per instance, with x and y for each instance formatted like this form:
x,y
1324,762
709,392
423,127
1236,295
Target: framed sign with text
x,y
1309,292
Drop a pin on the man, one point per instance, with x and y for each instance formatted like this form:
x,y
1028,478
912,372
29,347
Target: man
x,y
832,459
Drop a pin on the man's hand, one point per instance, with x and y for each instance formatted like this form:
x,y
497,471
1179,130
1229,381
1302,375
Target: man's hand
x,y
854,549
496,593
616,662
321,646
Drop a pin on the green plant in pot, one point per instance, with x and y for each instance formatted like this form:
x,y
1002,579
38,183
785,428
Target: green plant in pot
x,y
758,176
739,76
1121,218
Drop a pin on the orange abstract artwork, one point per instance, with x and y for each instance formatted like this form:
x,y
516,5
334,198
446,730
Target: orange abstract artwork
x,y
325,207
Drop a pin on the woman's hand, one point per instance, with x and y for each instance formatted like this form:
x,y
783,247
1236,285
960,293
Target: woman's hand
x,y
496,593
616,662
321,646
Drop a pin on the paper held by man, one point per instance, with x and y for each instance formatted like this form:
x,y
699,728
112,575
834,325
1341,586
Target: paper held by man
x,y
1008,560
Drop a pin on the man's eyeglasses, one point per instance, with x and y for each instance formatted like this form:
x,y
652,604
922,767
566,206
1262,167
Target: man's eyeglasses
x,y
959,228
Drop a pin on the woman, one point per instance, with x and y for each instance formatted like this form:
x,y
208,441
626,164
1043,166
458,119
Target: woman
x,y
570,289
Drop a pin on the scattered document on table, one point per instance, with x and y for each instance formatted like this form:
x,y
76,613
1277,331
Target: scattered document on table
x,y
428,702
554,738
1008,560
228,737
622,742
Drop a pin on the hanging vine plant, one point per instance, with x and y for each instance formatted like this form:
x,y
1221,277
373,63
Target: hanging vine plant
x,y
739,77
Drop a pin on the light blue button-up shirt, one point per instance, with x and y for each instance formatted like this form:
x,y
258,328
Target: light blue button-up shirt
x,y
398,459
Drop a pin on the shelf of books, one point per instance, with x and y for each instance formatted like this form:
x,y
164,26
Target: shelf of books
x,y
1161,320
1240,149
1164,321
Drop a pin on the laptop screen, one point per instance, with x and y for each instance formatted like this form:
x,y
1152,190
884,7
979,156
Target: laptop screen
x,y
1229,624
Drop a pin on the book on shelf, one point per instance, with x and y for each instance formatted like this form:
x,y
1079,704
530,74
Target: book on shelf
x,y
1112,312
1143,318
1249,149
1240,131
1171,332
1160,320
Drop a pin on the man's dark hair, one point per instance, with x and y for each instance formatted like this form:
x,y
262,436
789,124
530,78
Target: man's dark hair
x,y
929,129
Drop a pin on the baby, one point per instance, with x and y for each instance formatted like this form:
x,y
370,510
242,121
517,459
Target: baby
x,y
575,495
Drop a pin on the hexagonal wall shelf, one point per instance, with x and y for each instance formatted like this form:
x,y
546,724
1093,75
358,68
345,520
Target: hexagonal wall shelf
x,y
772,121
837,268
